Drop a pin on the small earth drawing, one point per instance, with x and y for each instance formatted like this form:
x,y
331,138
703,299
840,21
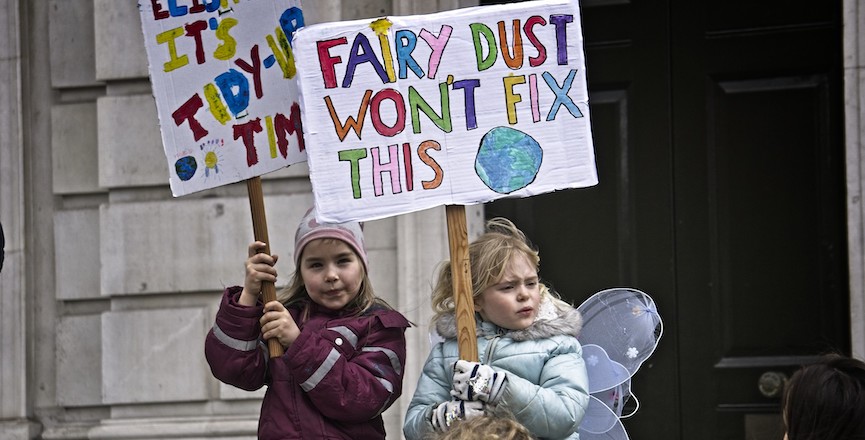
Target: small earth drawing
x,y
508,159
185,167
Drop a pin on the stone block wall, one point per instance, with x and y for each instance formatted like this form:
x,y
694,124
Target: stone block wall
x,y
136,273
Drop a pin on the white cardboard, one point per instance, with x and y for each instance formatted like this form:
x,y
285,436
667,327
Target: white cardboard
x,y
225,88
517,127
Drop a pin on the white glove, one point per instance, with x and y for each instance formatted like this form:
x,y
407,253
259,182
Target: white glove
x,y
446,413
476,381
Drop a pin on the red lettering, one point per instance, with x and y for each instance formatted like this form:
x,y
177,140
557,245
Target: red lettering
x,y
530,34
196,7
399,105
326,62
254,69
186,112
158,12
194,30
291,125
247,131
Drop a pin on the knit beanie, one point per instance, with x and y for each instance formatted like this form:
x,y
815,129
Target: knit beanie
x,y
310,229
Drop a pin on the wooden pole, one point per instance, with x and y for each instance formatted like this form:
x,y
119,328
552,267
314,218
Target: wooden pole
x,y
259,227
461,275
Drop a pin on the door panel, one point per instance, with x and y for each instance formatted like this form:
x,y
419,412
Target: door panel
x,y
769,184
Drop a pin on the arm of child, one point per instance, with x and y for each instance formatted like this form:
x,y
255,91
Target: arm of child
x,y
259,267
476,381
232,347
352,373
277,323
433,388
563,393
447,413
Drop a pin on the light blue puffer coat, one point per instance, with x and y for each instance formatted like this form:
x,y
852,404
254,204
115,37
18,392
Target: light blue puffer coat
x,y
547,389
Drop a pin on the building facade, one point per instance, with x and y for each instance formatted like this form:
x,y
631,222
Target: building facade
x,y
110,284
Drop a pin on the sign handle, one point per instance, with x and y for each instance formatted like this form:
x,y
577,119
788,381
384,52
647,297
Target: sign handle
x,y
461,276
259,228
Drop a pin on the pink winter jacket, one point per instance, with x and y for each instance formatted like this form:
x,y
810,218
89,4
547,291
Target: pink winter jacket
x,y
333,382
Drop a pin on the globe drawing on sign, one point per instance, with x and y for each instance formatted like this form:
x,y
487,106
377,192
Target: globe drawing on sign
x,y
185,167
508,159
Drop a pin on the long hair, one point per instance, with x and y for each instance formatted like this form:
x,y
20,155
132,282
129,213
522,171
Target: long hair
x,y
295,292
489,256
826,400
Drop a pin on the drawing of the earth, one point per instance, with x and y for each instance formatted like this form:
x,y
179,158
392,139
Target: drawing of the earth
x,y
508,159
185,167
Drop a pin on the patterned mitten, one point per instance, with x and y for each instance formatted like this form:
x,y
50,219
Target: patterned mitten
x,y
445,414
476,381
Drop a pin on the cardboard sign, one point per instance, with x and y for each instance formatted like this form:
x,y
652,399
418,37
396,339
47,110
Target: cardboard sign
x,y
224,79
406,113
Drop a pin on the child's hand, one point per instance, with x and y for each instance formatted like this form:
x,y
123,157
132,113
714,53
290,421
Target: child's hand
x,y
259,267
278,323
476,381
445,414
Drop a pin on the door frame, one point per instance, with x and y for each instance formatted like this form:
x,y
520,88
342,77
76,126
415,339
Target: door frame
x,y
854,118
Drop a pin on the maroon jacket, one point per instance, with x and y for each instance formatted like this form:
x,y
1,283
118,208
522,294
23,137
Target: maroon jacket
x,y
334,381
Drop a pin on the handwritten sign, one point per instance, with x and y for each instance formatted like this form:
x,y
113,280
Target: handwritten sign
x,y
406,113
224,78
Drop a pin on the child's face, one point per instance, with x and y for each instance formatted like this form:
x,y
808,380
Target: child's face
x,y
331,272
512,302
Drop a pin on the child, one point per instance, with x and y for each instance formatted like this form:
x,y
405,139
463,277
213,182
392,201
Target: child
x,y
344,347
826,400
531,363
486,428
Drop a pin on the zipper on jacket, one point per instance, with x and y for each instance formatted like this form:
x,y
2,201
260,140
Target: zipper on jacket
x,y
490,347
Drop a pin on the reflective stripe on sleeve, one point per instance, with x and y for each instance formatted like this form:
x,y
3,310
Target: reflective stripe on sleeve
x,y
237,344
387,385
394,359
322,371
347,334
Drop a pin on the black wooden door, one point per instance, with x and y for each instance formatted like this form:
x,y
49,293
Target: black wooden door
x,y
759,189
719,143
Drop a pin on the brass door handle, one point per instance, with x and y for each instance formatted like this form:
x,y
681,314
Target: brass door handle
x,y
771,384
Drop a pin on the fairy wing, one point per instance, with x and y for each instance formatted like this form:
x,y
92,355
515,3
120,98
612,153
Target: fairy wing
x,y
621,329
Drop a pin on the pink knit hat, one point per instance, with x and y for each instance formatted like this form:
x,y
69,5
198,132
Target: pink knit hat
x,y
310,229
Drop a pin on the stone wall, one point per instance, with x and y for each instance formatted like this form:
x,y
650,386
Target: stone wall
x,y
111,284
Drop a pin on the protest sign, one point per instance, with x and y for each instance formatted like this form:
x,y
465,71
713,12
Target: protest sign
x,y
224,79
405,113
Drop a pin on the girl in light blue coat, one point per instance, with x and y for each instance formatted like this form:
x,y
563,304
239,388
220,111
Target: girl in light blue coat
x,y
531,365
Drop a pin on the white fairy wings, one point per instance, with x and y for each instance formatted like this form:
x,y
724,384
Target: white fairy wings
x,y
621,329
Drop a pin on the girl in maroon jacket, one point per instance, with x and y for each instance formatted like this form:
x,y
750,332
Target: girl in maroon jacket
x,y
344,347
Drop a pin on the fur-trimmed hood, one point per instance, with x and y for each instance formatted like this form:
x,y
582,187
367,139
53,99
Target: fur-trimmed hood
x,y
555,317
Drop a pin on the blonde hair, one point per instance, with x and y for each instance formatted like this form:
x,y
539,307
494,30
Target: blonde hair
x,y
486,427
295,292
489,256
